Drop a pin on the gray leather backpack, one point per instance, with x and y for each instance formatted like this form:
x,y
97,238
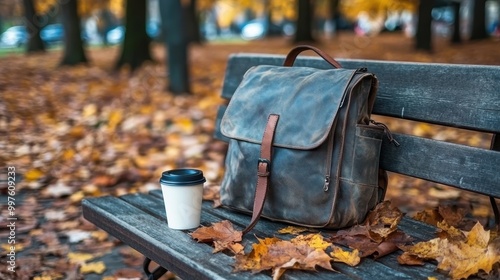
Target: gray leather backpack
x,y
302,149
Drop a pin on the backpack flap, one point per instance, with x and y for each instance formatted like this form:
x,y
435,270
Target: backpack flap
x,y
306,99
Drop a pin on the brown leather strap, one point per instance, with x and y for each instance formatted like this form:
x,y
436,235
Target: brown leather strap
x,y
292,55
263,170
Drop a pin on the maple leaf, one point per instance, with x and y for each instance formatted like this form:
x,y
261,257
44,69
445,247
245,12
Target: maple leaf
x,y
378,235
292,230
222,234
280,255
351,258
461,256
315,241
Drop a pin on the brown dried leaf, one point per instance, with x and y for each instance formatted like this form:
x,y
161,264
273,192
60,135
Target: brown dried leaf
x,y
383,220
378,235
409,259
222,234
461,257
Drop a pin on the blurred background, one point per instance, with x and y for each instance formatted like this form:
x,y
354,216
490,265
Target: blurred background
x,y
98,97
103,22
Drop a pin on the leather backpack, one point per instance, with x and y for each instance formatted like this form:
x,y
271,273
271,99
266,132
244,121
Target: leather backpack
x,y
302,148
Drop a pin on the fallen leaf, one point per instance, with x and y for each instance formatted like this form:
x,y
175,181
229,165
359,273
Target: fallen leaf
x,y
94,267
315,241
292,230
351,258
33,174
280,255
79,257
378,235
460,257
222,234
409,259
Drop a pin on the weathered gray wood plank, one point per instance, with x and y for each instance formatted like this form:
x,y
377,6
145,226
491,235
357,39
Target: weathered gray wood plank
x,y
154,239
465,167
465,96
384,267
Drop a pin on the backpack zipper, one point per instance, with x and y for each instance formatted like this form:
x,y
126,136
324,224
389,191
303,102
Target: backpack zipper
x,y
329,157
387,132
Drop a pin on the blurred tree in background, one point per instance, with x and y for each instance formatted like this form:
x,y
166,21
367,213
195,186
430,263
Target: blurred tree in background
x,y
176,41
73,44
135,47
199,20
35,43
478,26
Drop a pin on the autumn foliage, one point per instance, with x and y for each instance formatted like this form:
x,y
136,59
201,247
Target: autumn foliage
x,y
459,253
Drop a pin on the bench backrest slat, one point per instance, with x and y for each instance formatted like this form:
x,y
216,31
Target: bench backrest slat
x,y
463,96
465,167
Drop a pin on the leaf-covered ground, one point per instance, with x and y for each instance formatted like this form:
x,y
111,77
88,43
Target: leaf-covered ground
x,y
85,131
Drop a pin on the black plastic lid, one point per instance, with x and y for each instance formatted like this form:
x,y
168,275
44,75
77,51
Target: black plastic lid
x,y
182,177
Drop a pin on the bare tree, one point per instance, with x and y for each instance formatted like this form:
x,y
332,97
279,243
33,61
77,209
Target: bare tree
x,y
176,40
135,47
304,21
73,43
32,22
478,20
424,34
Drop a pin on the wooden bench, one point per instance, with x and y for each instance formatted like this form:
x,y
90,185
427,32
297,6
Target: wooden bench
x,y
461,96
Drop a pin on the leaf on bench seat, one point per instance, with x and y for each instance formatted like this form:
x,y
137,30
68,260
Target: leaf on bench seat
x,y
461,255
222,234
378,235
280,255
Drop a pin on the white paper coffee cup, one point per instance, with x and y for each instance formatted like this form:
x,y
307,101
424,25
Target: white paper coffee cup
x,y
183,194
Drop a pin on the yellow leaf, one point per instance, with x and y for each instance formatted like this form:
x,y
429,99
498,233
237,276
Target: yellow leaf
x,y
114,119
79,257
185,125
348,257
68,154
292,230
77,197
89,110
462,256
94,267
100,235
33,174
315,241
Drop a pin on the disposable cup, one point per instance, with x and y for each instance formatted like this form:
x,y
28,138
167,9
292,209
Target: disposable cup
x,y
182,193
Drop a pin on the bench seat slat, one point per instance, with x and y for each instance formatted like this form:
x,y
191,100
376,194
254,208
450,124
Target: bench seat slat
x,y
138,220
465,167
153,238
418,230
464,96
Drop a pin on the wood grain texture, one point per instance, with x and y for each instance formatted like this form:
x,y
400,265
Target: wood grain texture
x,y
465,96
139,221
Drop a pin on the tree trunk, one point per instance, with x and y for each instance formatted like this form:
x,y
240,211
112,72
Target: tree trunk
x,y
424,33
73,44
456,38
335,15
135,47
177,46
35,43
304,22
192,22
478,21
